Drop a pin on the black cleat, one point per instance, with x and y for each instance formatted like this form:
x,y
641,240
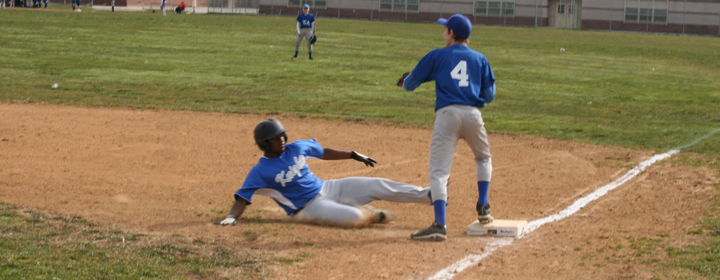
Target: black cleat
x,y
435,232
484,215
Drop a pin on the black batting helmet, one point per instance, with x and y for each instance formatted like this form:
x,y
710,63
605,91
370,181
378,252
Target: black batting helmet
x,y
266,130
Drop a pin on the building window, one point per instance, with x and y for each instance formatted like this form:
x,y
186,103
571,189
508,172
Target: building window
x,y
504,8
314,4
400,6
646,11
562,9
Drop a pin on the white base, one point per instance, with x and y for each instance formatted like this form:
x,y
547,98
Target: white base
x,y
504,228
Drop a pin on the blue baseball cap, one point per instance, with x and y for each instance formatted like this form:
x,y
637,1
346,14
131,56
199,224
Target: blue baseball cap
x,y
306,6
459,24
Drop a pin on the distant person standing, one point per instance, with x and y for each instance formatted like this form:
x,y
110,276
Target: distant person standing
x,y
305,28
75,3
46,3
180,8
162,7
113,6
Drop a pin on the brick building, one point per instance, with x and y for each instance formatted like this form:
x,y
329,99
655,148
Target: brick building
x,y
667,16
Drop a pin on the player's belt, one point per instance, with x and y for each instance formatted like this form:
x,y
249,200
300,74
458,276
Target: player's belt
x,y
301,207
298,210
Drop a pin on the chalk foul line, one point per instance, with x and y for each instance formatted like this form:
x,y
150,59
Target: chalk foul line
x,y
473,259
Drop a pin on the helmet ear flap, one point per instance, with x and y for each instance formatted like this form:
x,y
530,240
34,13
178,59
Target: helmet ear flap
x,y
264,146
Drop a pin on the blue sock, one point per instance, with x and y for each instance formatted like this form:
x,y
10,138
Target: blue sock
x,y
440,211
296,54
310,54
483,189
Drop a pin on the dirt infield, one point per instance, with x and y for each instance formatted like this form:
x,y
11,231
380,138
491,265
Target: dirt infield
x,y
175,172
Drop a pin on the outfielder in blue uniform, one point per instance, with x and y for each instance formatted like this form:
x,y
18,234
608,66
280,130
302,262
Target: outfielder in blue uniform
x,y
284,175
305,28
464,83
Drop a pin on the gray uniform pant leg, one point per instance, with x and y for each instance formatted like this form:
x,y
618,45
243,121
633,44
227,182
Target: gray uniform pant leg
x,y
304,33
451,124
339,201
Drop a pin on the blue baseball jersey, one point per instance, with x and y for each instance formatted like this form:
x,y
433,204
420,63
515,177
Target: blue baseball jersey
x,y
461,74
286,179
306,21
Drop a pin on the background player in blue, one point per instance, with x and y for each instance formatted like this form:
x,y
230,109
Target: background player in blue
x,y
162,7
283,174
75,3
305,28
464,83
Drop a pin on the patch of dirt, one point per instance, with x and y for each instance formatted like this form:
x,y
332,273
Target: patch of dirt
x,y
175,172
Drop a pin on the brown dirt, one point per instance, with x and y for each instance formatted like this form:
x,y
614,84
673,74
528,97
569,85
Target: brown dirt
x,y
175,172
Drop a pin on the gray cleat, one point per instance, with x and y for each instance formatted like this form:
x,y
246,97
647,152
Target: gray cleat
x,y
381,215
435,232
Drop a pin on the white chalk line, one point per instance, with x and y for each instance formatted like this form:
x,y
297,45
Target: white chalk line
x,y
473,259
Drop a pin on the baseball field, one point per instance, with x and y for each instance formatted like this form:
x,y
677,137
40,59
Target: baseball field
x,y
119,171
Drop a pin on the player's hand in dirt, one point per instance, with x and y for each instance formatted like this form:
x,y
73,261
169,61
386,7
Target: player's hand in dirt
x,y
230,220
368,161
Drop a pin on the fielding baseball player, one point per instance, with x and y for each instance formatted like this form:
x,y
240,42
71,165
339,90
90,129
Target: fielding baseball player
x,y
464,83
162,7
283,174
305,28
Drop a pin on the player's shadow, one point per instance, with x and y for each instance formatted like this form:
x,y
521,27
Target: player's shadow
x,y
175,226
328,243
260,220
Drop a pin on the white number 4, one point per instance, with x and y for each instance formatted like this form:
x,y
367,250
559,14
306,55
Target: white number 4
x,y
460,73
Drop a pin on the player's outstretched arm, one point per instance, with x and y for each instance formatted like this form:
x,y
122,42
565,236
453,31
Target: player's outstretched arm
x,y
335,154
235,213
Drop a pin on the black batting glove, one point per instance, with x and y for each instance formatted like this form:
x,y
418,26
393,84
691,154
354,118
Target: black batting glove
x,y
368,161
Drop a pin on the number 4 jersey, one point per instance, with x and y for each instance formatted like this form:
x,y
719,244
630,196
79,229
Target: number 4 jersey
x,y
461,74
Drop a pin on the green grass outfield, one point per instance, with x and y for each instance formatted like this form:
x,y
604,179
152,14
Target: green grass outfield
x,y
635,90
640,90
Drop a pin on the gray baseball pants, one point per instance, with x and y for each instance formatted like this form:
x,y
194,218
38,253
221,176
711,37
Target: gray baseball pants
x,y
340,201
451,124
307,33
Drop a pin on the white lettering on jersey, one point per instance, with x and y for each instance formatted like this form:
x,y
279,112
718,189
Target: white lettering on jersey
x,y
293,170
460,73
